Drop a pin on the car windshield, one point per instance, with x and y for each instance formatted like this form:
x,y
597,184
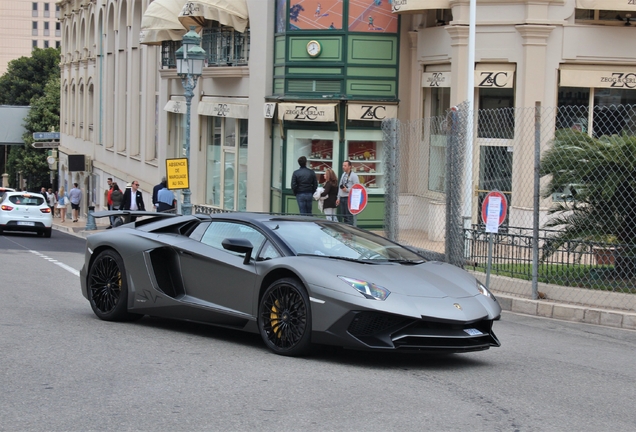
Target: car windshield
x,y
340,241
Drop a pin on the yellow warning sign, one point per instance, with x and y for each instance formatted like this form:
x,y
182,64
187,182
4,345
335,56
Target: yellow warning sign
x,y
177,173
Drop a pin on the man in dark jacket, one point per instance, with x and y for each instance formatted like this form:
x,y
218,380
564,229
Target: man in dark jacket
x,y
155,191
133,199
304,184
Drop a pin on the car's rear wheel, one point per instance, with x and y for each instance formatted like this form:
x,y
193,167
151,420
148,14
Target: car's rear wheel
x,y
47,232
284,318
108,288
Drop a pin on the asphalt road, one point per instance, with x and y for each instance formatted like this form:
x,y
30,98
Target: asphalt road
x,y
61,369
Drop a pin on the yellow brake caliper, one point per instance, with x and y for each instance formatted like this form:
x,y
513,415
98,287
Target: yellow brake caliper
x,y
274,319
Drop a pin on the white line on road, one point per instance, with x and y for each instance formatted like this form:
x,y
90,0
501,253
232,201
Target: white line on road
x,y
56,262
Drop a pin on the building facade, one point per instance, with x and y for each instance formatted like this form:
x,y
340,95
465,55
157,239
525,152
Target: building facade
x,y
559,53
314,80
25,25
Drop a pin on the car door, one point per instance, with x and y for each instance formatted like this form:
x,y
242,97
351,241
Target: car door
x,y
219,278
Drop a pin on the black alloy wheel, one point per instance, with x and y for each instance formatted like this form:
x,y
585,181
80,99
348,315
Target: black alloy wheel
x,y
284,318
108,288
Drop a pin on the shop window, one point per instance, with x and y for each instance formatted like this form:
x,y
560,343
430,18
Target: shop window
x,y
438,17
436,131
168,50
612,110
319,147
226,183
496,117
604,17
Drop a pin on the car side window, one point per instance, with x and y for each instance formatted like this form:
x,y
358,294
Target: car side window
x,y
219,231
269,251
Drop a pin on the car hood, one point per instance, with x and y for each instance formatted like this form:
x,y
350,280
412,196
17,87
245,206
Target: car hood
x,y
430,279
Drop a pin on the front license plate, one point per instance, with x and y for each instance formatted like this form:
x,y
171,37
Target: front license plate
x,y
473,332
26,223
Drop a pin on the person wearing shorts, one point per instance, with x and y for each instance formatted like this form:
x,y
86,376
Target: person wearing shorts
x,y
75,197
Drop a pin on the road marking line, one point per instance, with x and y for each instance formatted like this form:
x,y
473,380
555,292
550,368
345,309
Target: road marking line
x,y
56,262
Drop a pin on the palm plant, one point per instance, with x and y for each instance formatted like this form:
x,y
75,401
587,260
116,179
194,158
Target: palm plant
x,y
603,171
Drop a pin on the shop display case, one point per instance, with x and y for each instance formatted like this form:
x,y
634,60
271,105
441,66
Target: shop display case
x,y
366,159
320,149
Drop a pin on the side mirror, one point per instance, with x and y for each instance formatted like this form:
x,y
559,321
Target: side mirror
x,y
239,245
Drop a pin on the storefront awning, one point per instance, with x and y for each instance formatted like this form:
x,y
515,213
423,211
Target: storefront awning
x,y
218,108
309,112
495,75
371,112
619,5
401,6
176,106
590,76
161,23
232,13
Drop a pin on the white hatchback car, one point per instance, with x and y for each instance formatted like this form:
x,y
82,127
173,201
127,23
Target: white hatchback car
x,y
25,211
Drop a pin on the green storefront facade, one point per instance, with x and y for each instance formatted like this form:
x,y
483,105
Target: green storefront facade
x,y
335,80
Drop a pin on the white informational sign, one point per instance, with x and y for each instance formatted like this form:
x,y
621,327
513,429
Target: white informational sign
x,y
269,109
355,198
493,212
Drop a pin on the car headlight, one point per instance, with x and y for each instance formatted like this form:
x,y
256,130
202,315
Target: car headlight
x,y
483,290
367,289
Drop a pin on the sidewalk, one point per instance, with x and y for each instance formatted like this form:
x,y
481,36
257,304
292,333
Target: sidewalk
x,y
79,228
543,308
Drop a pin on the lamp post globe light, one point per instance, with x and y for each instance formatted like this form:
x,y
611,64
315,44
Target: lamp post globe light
x,y
190,58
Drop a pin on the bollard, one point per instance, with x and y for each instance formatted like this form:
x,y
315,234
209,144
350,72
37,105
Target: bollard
x,y
90,220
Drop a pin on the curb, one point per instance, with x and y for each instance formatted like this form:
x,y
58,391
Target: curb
x,y
567,312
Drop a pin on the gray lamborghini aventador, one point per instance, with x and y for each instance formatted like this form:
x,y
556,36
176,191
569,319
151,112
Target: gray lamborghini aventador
x,y
297,281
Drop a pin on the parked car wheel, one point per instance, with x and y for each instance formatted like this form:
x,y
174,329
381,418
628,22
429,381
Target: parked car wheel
x,y
108,288
284,318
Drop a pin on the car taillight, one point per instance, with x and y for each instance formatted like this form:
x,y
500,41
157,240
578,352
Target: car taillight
x,y
6,207
45,210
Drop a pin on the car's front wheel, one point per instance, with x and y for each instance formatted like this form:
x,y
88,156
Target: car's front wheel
x,y
108,287
284,318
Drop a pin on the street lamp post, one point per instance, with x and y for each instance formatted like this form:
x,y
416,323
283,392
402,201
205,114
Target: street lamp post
x,y
190,58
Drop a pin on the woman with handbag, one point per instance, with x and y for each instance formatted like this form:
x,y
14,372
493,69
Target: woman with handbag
x,y
62,200
331,194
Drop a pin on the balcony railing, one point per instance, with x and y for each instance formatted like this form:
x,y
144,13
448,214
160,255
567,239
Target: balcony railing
x,y
226,47
223,46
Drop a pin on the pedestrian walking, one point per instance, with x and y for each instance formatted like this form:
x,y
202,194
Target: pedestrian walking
x,y
75,197
304,184
155,191
117,197
330,194
52,201
62,201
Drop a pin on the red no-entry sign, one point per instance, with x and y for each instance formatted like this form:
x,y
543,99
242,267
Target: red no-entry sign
x,y
503,207
357,198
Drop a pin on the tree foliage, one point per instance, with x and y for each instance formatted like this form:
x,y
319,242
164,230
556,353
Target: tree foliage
x,y
43,116
602,171
26,77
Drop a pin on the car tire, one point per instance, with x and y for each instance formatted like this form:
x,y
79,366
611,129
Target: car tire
x,y
108,287
284,318
47,232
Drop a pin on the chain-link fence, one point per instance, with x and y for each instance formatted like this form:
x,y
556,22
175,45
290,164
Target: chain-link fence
x,y
568,175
